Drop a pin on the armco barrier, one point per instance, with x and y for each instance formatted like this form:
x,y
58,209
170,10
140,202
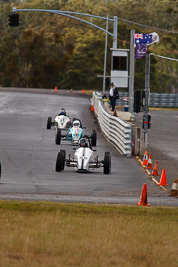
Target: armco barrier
x,y
160,100
163,100
115,129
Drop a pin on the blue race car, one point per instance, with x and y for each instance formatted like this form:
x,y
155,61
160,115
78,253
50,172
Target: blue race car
x,y
74,134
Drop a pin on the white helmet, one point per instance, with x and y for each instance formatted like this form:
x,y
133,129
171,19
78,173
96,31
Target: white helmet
x,y
76,123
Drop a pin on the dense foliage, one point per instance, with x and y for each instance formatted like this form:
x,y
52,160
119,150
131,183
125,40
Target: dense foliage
x,y
46,49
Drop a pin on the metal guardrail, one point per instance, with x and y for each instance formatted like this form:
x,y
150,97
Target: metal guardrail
x,y
156,100
119,132
115,129
163,100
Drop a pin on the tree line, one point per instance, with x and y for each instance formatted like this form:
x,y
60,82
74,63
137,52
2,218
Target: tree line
x,y
48,50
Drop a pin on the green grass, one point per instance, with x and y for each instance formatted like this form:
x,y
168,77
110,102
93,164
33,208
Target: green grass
x,y
55,234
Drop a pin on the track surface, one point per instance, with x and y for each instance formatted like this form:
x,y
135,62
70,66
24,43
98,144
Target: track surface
x,y
163,141
28,155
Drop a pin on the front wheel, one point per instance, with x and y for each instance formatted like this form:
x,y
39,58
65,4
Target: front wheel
x,y
93,138
64,155
58,136
107,163
59,162
49,123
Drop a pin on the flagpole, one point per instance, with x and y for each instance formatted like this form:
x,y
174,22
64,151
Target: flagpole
x,y
146,39
147,89
131,79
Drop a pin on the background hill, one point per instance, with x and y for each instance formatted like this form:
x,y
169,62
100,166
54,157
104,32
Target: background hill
x,y
46,50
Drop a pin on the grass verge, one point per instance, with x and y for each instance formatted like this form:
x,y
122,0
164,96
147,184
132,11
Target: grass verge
x,y
55,234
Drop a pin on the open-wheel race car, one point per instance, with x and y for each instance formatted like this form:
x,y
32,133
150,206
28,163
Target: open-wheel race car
x,y
74,134
83,159
61,121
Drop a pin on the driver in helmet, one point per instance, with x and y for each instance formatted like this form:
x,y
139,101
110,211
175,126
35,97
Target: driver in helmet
x,y
62,112
83,142
76,123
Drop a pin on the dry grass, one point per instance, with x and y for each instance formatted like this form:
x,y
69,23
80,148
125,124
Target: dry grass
x,y
166,109
54,234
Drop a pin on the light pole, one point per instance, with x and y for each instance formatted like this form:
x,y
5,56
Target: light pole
x,y
72,14
115,32
105,58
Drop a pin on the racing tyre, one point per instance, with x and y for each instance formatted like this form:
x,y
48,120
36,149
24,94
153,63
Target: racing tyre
x,y
107,163
58,136
69,124
59,162
93,137
64,153
49,122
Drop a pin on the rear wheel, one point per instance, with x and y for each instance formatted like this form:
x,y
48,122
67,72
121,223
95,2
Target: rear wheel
x,y
49,122
68,124
107,163
59,162
93,138
58,136
64,155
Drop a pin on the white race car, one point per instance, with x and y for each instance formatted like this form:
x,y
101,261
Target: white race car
x,y
83,159
61,121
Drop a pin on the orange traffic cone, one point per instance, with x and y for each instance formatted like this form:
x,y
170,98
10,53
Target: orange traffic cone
x,y
83,91
55,89
174,189
155,169
145,159
115,113
143,197
92,108
163,178
149,165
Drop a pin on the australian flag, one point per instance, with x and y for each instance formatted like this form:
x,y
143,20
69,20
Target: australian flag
x,y
141,38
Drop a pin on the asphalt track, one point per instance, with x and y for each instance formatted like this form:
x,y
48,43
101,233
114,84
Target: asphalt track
x,y
163,133
28,155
